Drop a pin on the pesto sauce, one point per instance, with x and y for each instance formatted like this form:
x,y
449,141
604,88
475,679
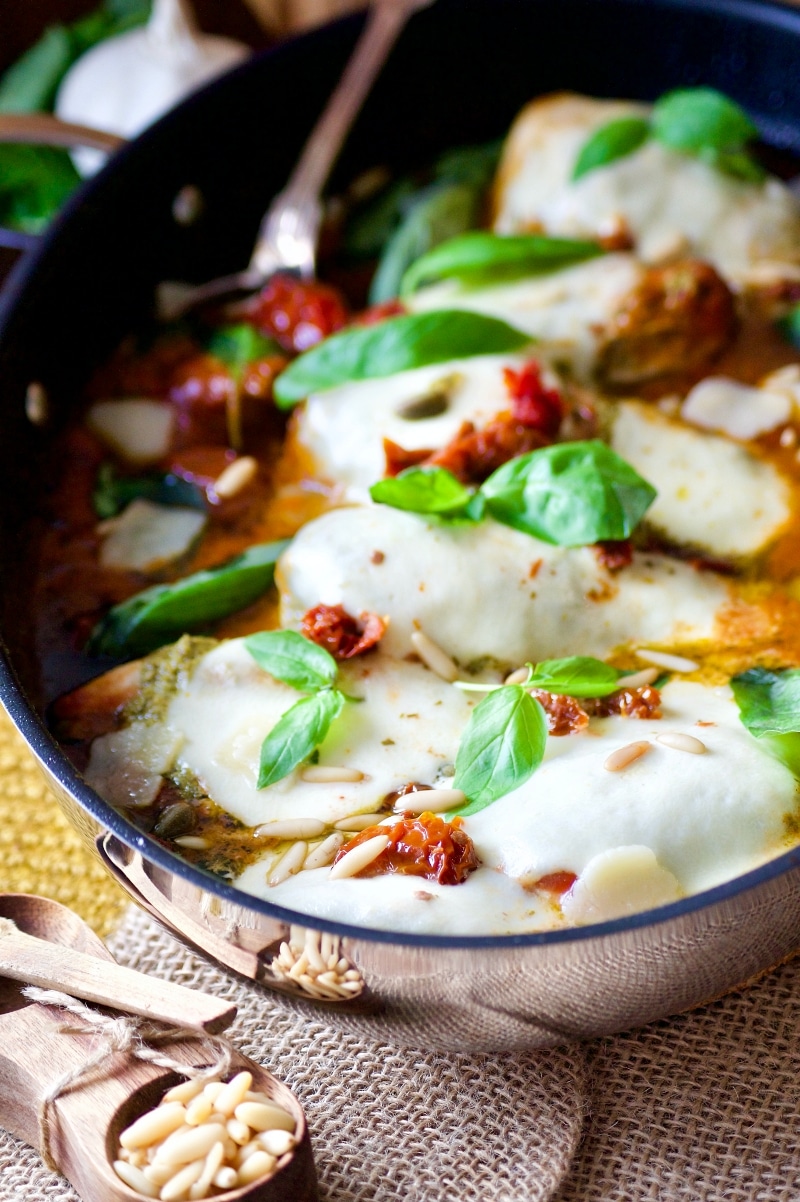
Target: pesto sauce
x,y
164,673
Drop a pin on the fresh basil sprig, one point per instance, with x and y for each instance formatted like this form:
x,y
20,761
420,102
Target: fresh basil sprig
x,y
113,492
160,614
480,257
399,344
571,494
696,121
574,676
295,660
501,748
769,707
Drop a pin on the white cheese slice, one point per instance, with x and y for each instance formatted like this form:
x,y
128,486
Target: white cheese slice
x,y
565,311
138,429
490,591
343,429
622,880
713,494
663,197
147,535
719,403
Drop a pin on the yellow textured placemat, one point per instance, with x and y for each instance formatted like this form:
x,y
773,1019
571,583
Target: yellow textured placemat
x,y
39,850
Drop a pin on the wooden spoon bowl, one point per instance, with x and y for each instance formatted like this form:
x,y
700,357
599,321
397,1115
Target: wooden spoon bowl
x,y
85,1121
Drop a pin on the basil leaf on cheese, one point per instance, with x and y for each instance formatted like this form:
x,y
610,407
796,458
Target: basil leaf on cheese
x,y
697,119
295,660
502,746
610,142
423,490
297,734
737,163
575,676
161,614
769,707
572,494
481,257
399,344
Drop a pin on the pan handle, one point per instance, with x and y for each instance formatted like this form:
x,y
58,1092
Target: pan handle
x,y
43,129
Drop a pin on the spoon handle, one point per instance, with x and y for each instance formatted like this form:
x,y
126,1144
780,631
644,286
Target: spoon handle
x,y
53,966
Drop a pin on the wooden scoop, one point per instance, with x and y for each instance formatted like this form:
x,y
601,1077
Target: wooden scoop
x,y
85,1121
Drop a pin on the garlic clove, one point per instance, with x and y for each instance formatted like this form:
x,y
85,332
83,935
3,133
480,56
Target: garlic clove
x,y
126,82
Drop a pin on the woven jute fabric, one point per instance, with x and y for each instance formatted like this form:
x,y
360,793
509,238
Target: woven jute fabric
x,y
703,1106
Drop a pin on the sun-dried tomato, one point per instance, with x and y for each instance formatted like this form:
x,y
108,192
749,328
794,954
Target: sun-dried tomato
x,y
557,883
332,627
398,458
644,702
297,314
565,715
420,845
533,404
614,555
259,376
413,786
474,454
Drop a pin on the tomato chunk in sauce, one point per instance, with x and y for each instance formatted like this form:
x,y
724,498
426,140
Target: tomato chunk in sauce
x,y
422,845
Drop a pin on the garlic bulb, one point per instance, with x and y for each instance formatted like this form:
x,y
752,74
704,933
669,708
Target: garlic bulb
x,y
126,82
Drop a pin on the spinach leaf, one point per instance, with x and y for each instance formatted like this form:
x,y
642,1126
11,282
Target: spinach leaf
x,y
575,676
399,344
112,492
439,212
610,142
480,257
297,734
295,660
696,119
160,614
423,490
572,494
502,746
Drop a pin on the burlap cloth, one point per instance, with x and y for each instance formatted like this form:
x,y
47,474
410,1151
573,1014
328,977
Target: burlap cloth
x,y
701,1107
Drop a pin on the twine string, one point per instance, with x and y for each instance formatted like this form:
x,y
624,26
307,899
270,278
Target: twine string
x,y
126,1035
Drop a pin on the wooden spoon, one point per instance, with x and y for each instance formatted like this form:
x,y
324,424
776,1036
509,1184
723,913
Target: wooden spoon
x,y
85,1121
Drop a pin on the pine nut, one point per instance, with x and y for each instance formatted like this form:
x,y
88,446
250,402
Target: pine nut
x,y
681,742
638,680
290,828
262,1117
229,1098
239,1132
153,1126
178,1187
322,855
518,676
225,1178
359,857
235,477
289,864
626,755
184,1146
435,800
213,1089
278,1143
330,774
788,437
212,1164
358,822
433,657
257,1165
183,1092
159,1174
193,842
198,1110
135,1178
673,663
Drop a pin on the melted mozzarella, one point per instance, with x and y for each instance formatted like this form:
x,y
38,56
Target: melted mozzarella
x,y
670,202
490,591
695,821
565,311
343,429
713,494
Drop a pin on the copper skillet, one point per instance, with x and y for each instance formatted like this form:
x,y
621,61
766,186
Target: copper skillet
x,y
458,75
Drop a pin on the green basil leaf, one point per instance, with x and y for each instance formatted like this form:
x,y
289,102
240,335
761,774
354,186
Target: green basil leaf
x,y
161,614
473,165
572,494
438,213
737,163
399,344
34,183
610,142
502,746
789,326
238,345
30,83
295,660
769,702
423,490
112,492
297,734
480,257
372,225
694,119
575,676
